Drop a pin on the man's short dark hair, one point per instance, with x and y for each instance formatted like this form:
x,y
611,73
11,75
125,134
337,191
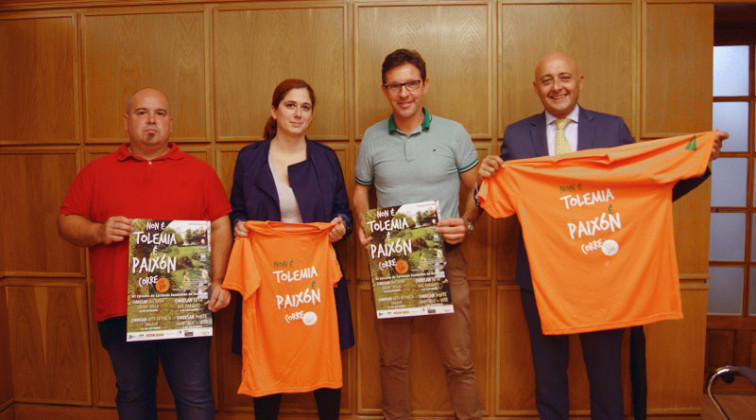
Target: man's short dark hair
x,y
402,56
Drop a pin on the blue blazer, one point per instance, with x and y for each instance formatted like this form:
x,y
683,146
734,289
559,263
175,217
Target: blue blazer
x,y
318,185
527,139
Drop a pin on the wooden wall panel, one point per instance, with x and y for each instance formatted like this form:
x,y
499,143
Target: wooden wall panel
x,y
514,374
33,185
48,341
476,247
601,38
677,74
255,49
38,80
691,224
127,51
506,233
675,356
455,41
219,62
226,156
6,379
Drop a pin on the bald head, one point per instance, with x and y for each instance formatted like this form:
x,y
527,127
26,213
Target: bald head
x,y
556,58
558,83
148,123
144,92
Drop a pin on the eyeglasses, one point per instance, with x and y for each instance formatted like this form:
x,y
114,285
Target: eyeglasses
x,y
409,84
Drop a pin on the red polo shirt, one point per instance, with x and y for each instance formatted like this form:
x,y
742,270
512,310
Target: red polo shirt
x,y
175,186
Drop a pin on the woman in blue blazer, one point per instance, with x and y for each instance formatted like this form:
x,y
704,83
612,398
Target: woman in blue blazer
x,y
292,179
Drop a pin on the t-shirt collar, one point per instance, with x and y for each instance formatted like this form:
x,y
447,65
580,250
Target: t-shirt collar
x,y
425,125
173,153
573,116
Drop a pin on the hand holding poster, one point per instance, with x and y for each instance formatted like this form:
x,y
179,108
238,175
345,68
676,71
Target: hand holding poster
x,y
169,280
407,260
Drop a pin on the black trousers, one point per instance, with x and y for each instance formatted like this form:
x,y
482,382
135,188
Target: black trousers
x,y
328,401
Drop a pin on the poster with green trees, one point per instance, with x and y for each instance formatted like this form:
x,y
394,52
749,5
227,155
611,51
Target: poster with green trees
x,y
169,280
407,260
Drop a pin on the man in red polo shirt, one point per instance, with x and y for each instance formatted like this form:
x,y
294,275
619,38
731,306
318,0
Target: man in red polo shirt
x,y
149,178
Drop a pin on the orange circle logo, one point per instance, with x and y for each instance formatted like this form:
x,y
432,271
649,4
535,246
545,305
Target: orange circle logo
x,y
401,267
162,285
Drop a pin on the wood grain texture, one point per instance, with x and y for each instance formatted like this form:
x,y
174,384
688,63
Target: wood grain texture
x,y
33,185
37,80
691,225
601,38
677,85
507,232
476,246
48,343
218,62
675,355
126,52
515,380
455,43
6,365
255,49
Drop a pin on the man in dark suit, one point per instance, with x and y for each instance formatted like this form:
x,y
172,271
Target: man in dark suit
x,y
564,127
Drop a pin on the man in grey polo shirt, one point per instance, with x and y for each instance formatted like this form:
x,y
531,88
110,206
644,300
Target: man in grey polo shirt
x,y
411,157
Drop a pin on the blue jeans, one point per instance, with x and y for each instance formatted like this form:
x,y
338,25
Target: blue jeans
x,y
186,364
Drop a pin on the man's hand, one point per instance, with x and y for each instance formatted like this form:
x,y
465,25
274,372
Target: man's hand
x,y
337,232
240,231
364,239
453,229
721,136
115,229
219,298
489,166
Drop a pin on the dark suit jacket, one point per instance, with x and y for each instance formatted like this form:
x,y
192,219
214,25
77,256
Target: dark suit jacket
x,y
527,139
318,185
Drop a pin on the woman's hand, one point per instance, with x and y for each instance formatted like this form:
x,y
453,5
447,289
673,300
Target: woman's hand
x,y
338,231
240,231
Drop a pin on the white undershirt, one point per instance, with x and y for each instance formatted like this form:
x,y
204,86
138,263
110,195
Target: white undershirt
x,y
287,202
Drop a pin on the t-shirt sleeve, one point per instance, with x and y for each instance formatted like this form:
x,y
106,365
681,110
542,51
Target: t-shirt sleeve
x,y
680,158
363,169
241,273
499,194
464,151
79,197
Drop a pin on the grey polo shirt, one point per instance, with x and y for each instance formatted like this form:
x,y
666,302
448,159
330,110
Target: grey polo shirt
x,y
421,166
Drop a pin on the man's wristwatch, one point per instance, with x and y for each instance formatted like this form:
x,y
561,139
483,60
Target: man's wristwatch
x,y
470,226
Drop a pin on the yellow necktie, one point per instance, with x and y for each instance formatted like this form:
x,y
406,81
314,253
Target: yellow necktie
x,y
561,144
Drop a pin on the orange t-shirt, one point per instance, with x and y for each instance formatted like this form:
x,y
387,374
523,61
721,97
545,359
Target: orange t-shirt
x,y
597,226
285,273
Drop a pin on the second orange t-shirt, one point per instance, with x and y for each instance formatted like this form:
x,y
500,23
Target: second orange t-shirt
x,y
286,273
597,226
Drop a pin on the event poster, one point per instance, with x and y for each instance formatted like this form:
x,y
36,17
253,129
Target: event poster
x,y
169,280
407,260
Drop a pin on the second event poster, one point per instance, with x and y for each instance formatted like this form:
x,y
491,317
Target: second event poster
x,y
407,260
